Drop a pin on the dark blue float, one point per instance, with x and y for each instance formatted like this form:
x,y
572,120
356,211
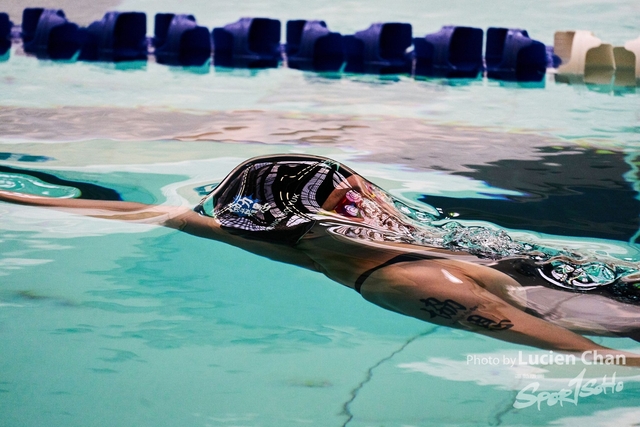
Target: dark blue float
x,y
311,46
380,49
248,43
553,60
512,55
119,36
451,52
47,34
5,33
383,48
178,40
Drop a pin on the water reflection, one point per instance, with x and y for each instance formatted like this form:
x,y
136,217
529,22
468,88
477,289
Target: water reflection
x,y
41,183
193,69
576,192
18,157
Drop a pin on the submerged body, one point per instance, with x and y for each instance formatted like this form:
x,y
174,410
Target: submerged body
x,y
318,214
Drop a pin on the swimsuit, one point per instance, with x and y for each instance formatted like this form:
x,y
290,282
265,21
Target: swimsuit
x,y
395,260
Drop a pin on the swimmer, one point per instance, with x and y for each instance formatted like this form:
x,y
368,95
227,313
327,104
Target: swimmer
x,y
318,214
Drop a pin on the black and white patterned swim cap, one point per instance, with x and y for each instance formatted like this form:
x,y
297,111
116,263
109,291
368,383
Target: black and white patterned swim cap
x,y
274,198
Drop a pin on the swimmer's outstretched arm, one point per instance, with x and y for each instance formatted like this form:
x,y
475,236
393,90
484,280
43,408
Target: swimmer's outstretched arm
x,y
446,296
179,218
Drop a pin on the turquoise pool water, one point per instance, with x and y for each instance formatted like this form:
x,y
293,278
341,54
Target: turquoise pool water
x,y
106,323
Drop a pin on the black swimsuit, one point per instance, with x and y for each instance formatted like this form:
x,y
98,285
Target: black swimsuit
x,y
395,260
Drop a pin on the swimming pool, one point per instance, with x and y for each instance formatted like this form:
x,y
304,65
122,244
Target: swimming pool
x,y
105,323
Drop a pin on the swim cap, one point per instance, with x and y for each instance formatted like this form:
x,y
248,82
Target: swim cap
x,y
273,198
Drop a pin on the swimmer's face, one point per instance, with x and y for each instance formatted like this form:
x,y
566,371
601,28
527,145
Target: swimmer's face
x,y
358,200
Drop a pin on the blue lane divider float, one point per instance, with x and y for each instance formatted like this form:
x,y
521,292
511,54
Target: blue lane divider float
x,y
311,46
178,40
248,43
512,55
553,60
380,49
119,36
48,34
5,33
383,48
451,52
